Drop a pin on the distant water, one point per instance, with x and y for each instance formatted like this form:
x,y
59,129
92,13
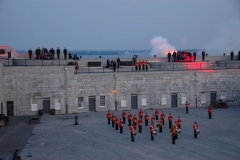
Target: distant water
x,y
107,54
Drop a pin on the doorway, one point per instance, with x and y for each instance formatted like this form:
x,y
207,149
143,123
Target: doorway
x,y
134,103
10,108
46,105
92,103
174,100
213,97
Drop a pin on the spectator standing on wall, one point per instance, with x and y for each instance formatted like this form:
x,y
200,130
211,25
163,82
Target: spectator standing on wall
x,y
65,53
203,55
232,54
58,53
118,62
30,53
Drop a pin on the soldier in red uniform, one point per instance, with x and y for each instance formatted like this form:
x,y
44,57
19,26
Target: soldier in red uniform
x,y
156,114
132,129
160,126
121,125
146,117
153,119
170,120
113,119
143,64
187,105
124,115
139,65
109,116
116,122
151,131
146,64
163,117
210,112
129,119
173,134
140,125
134,120
136,66
175,126
179,122
140,114
195,127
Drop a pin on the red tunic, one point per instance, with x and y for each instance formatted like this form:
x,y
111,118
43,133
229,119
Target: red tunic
x,y
129,116
146,117
134,119
152,129
162,115
113,117
132,128
153,118
195,127
116,120
121,124
140,113
140,122
209,109
156,113
187,105
170,118
124,114
109,114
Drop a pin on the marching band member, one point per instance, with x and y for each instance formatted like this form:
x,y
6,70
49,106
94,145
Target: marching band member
x,y
146,64
195,127
146,117
140,125
136,66
116,122
173,133
179,121
156,114
121,125
109,116
170,120
187,105
139,65
210,112
113,119
132,129
129,119
143,64
161,124
153,119
151,131
134,120
124,116
140,114
163,117
175,126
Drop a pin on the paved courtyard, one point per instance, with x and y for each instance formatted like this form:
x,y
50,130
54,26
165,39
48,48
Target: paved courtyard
x,y
56,138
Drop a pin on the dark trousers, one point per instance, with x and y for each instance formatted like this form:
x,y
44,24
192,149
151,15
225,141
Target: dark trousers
x,y
140,117
135,124
173,139
140,129
174,58
112,123
132,138
124,120
108,121
156,117
160,129
143,67
58,55
65,55
146,122
210,115
195,134
203,57
152,137
179,126
169,58
118,64
231,58
116,126
146,68
163,121
194,58
170,125
121,130
129,123
136,68
139,67
176,136
187,110
30,56
114,68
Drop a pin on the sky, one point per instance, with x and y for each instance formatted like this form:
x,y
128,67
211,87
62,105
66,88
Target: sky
x,y
213,25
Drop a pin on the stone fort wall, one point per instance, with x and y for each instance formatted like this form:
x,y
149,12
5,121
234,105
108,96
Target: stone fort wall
x,y
22,85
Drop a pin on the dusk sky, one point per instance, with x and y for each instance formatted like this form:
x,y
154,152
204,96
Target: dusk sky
x,y
120,24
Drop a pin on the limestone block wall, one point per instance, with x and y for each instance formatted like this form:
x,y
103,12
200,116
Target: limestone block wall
x,y
1,95
23,84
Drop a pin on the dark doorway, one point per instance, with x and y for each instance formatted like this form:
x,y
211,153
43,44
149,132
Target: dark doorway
x,y
174,100
92,103
213,97
46,105
134,103
10,108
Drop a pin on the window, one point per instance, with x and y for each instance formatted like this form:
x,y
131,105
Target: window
x,y
34,106
144,100
80,102
123,101
183,98
164,99
102,101
203,98
57,104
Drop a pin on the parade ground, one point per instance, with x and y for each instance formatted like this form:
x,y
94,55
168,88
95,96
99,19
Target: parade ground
x,y
56,138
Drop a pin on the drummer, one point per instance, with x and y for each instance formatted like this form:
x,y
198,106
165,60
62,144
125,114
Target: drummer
x,y
195,128
132,131
152,129
175,127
